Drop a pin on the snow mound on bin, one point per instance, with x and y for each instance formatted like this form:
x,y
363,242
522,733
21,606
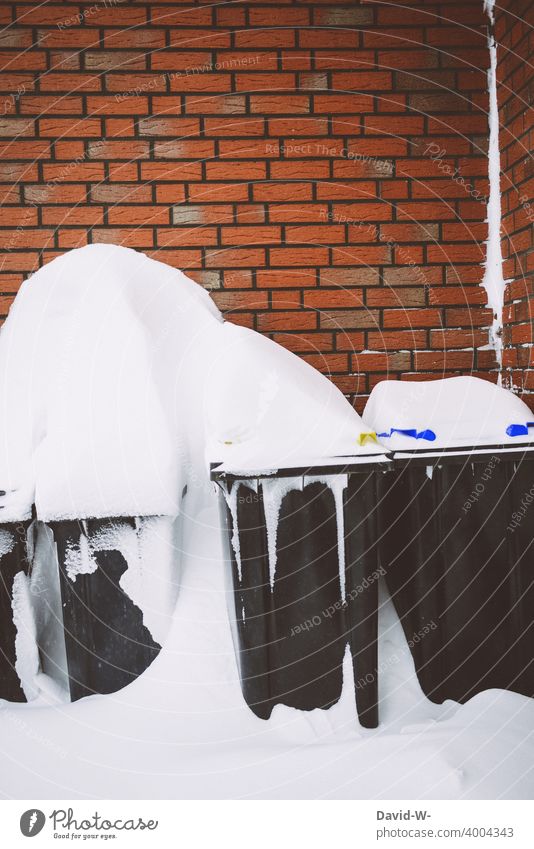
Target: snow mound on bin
x,y
460,411
266,406
99,365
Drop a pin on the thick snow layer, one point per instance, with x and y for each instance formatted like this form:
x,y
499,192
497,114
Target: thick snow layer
x,y
182,730
99,359
460,410
267,408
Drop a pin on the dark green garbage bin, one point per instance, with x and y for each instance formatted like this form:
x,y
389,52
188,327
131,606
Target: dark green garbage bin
x,y
303,549
13,561
459,566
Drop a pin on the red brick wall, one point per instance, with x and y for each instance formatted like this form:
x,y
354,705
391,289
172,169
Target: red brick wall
x,y
320,166
514,29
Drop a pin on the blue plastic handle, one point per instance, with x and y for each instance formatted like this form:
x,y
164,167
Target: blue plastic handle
x,y
519,429
429,435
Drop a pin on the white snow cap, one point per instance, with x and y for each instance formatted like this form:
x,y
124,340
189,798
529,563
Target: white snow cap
x,y
459,410
265,407
99,364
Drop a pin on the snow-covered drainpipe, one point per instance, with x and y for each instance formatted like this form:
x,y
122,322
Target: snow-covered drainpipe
x,y
493,280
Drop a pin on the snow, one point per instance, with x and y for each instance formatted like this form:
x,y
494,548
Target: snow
x,y
98,359
183,731
274,492
27,653
460,410
110,366
493,280
489,8
267,408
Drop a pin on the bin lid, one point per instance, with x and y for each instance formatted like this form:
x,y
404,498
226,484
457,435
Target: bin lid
x,y
458,411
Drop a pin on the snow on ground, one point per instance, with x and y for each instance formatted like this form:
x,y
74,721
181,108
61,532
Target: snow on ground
x,y
182,730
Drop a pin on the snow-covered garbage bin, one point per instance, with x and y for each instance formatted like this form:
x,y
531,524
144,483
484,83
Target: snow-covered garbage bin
x,y
13,571
297,474
302,542
456,535
101,364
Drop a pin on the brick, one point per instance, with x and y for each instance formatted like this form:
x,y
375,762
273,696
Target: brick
x,y
347,103
24,150
111,149
282,191
225,104
59,193
187,213
458,338
298,342
287,321
258,81
110,60
412,318
301,256
73,215
364,255
196,236
121,193
15,127
237,170
361,80
324,235
70,83
381,362
396,339
235,257
60,127
312,169
73,172
251,235
206,193
183,149
168,126
40,105
130,237
286,278
442,360
279,103
349,277
265,38
362,211
238,301
294,126
234,126
333,298
149,214
339,16
295,212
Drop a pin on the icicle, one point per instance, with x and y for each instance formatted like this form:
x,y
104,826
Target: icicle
x,y
337,484
274,492
27,653
429,472
79,559
231,501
